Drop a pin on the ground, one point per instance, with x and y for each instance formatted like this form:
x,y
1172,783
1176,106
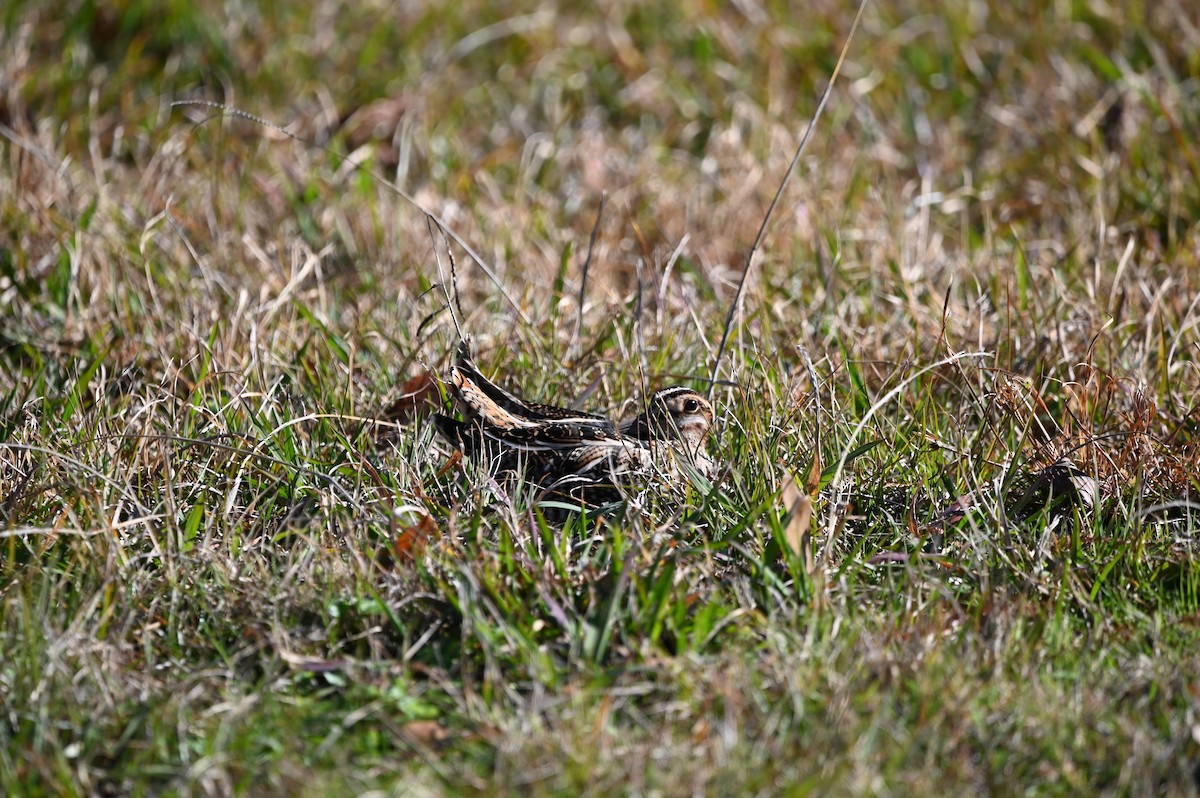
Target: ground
x,y
235,559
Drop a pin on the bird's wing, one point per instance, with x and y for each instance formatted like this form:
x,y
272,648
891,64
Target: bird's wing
x,y
514,404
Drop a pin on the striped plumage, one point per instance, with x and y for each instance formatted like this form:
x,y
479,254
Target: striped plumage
x,y
465,371
568,451
674,413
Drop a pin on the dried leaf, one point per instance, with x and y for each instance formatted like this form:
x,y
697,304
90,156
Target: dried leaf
x,y
451,462
814,475
418,396
424,733
797,507
378,123
412,540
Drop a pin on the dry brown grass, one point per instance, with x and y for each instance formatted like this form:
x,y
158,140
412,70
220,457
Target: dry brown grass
x,y
201,587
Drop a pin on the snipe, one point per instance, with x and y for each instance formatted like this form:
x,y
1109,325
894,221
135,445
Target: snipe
x,y
570,452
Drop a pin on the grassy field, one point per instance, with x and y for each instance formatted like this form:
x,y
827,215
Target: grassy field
x,y
234,559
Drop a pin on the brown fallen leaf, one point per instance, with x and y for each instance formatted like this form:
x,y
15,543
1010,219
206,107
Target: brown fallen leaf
x,y
451,463
412,540
813,484
377,122
425,733
418,396
797,507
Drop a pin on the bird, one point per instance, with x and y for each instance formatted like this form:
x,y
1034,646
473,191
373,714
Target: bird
x,y
521,408
500,424
569,452
675,413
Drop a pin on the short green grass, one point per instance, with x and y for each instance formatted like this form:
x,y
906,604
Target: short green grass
x,y
226,568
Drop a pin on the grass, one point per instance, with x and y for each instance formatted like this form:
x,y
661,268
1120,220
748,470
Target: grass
x,y
227,568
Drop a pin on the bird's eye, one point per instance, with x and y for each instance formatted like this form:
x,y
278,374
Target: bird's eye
x,y
690,406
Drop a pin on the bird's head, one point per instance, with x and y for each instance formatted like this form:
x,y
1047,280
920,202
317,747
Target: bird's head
x,y
680,413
